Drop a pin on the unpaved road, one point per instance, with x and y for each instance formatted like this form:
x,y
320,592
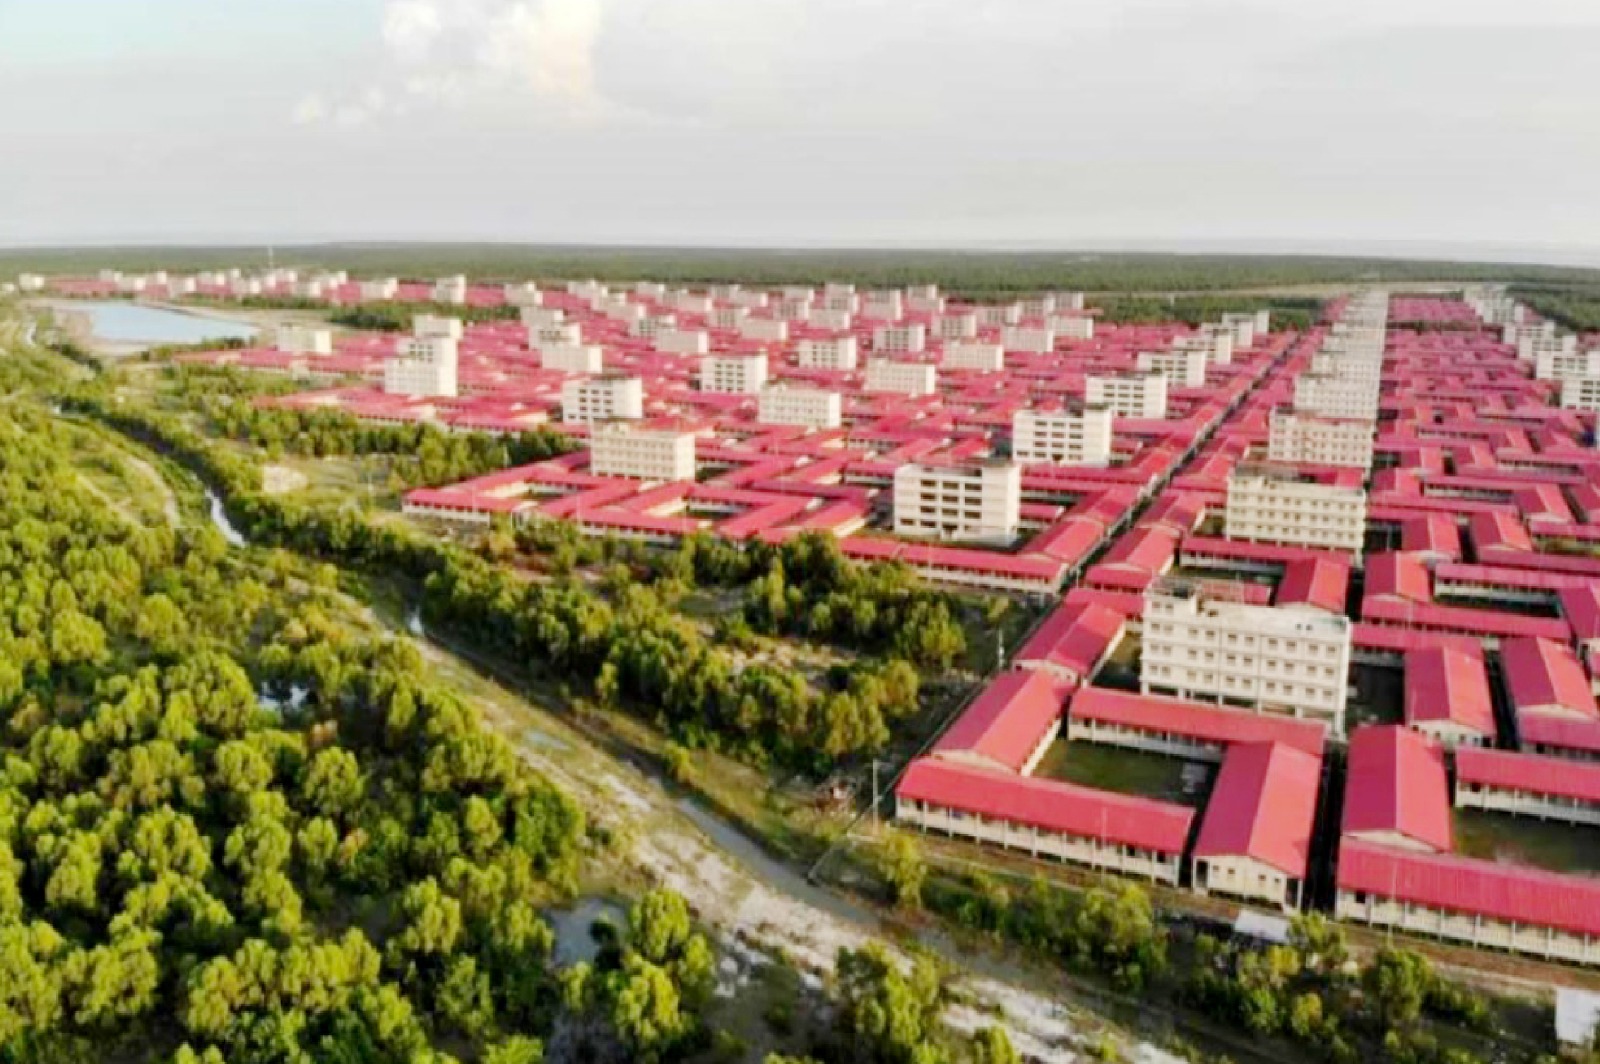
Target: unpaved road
x,y
767,906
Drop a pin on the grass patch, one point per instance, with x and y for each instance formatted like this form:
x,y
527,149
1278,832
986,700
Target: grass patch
x,y
1379,697
1525,841
1110,768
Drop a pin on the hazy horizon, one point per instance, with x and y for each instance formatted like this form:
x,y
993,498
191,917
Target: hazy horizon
x,y
1375,127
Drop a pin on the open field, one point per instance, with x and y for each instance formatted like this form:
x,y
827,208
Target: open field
x,y
1110,768
1526,841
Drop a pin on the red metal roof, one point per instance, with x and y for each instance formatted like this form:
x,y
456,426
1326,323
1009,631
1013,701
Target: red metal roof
x,y
1397,575
1443,684
1008,719
1579,735
1051,805
1263,806
1545,676
1430,534
1557,776
1395,783
1074,637
1319,582
1193,720
1465,885
1580,605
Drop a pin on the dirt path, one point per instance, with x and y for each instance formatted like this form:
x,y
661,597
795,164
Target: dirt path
x,y
731,892
169,501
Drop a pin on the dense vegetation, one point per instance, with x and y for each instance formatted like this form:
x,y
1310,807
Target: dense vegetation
x,y
397,317
1288,312
355,875
1308,996
633,651
424,453
978,274
1577,307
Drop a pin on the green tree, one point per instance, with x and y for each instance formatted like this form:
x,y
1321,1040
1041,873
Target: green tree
x,y
902,867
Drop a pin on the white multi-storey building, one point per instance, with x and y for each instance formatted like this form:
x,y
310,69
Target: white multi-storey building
x,y
1270,506
1073,326
654,291
1327,395
609,397
1027,339
833,319
624,310
1199,646
422,365
957,327
561,334
651,326
1550,365
792,309
432,326
30,282
925,302
1000,315
831,352
884,306
973,354
900,339
1069,301
541,317
379,288
1307,439
1062,437
812,408
304,340
771,330
729,318
903,378
974,501
1245,326
524,294
683,341
690,303
1581,393
1222,340
622,449
572,358
1352,361
1184,367
1531,344
1141,395
735,374
450,290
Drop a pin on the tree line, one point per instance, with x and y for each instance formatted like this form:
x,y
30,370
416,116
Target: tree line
x,y
636,652
196,866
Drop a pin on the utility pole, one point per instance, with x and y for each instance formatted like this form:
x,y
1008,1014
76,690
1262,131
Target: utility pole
x,y
874,796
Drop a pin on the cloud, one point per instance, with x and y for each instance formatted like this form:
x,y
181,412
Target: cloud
x,y
455,49
410,27
549,46
311,110
537,55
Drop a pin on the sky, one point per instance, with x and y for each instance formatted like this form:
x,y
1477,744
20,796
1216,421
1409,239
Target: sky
x,y
1454,125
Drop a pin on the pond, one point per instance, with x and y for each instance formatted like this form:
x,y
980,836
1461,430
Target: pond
x,y
574,943
132,323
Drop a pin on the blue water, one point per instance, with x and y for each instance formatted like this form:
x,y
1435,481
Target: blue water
x,y
130,323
